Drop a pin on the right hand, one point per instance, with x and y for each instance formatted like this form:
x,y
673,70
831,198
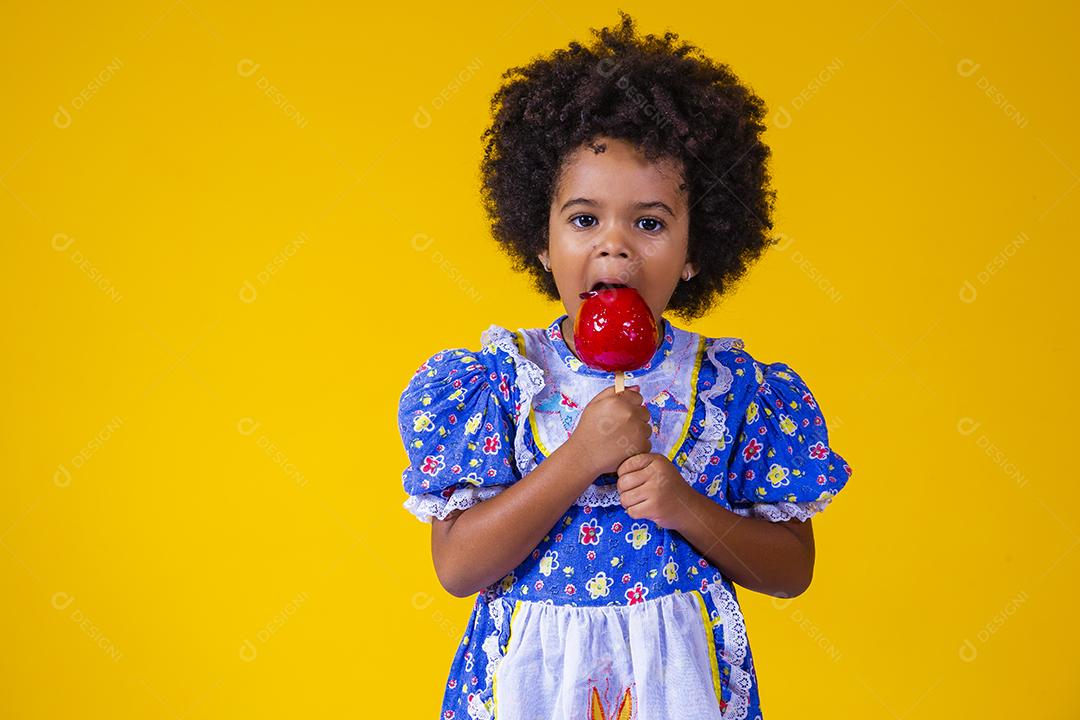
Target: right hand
x,y
612,427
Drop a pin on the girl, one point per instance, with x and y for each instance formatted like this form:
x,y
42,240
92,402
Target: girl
x,y
605,532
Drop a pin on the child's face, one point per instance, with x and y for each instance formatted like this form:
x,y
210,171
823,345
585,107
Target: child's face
x,y
597,229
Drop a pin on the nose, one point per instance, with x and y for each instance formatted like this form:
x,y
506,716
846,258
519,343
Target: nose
x,y
613,242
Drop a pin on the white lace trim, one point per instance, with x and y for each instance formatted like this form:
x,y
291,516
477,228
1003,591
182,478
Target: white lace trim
x,y
529,379
735,646
599,495
714,426
782,511
500,614
430,505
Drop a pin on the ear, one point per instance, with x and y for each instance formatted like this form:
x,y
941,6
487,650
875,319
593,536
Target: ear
x,y
689,268
543,255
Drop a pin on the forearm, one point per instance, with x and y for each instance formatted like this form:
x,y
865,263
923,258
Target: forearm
x,y
756,553
493,537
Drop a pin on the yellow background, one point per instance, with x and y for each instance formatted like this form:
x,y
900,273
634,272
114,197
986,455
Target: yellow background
x,y
212,301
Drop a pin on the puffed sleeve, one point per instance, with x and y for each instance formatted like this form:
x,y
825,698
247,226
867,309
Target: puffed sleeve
x,y
457,433
782,465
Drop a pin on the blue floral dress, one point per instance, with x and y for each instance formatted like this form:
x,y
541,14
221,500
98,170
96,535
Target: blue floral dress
x,y
611,617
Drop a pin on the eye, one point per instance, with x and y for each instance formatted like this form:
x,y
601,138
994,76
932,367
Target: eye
x,y
579,217
657,224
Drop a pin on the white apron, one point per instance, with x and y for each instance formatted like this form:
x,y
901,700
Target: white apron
x,y
654,660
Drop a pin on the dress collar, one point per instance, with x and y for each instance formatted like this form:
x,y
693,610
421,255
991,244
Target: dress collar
x,y
571,361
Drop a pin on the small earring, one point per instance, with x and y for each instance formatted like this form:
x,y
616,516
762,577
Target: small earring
x,y
546,268
687,275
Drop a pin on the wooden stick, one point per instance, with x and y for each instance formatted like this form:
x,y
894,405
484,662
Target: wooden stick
x,y
620,381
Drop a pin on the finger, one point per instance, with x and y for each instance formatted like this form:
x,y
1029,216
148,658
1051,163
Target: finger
x,y
630,481
634,463
637,504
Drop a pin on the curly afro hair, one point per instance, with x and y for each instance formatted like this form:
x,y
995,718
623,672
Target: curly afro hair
x,y
667,99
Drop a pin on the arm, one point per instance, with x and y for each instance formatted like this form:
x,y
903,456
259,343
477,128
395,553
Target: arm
x,y
774,558
473,548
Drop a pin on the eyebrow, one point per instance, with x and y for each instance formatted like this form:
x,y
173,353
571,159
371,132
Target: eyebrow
x,y
637,206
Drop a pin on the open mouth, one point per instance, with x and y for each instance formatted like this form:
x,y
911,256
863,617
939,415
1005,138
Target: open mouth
x,y
606,286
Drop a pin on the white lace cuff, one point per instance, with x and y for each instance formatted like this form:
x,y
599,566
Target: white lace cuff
x,y
782,511
435,505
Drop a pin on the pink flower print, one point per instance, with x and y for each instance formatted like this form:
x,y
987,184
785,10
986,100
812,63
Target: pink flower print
x,y
821,479
432,465
617,527
626,577
492,444
590,533
449,714
660,551
570,589
591,555
587,509
702,563
752,451
504,388
818,451
636,594
456,470
567,402
808,399
456,383
452,684
539,585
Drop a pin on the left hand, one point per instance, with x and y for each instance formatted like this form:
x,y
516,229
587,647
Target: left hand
x,y
651,487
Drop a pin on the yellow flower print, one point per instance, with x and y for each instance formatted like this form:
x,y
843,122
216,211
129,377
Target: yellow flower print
x,y
599,585
714,486
473,424
783,375
638,535
752,412
573,363
671,570
424,422
778,475
759,376
472,478
457,394
549,562
507,583
788,425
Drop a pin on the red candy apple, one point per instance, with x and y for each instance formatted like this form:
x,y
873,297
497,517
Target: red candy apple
x,y
615,331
